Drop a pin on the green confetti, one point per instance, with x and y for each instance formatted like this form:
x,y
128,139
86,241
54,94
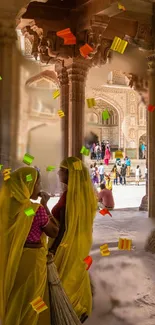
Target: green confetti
x,y
85,151
28,159
29,178
105,115
50,168
1,166
29,212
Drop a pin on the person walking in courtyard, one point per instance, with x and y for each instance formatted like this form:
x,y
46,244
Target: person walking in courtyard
x,y
123,174
102,149
137,174
108,182
115,174
101,172
107,156
105,197
143,150
128,165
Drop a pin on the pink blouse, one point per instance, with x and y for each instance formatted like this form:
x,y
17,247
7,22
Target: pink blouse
x,y
40,220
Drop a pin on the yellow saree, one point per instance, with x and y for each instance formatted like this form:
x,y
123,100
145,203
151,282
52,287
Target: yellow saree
x,y
23,271
81,207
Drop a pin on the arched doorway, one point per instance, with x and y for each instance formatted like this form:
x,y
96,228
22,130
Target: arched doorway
x,y
107,130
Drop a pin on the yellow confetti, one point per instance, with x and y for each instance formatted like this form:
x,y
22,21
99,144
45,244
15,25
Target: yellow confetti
x,y
38,305
56,94
6,173
61,113
124,244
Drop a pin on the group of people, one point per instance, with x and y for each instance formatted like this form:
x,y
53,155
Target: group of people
x,y
24,247
101,151
118,174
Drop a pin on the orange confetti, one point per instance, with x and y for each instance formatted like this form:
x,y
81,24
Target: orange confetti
x,y
104,212
151,108
85,50
88,260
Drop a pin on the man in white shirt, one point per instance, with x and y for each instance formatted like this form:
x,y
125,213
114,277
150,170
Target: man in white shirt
x,y
101,172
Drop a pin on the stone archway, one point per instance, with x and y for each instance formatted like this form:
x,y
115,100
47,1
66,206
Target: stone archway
x,y
105,129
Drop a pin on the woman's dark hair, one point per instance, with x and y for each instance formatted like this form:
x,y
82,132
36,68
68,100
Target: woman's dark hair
x,y
137,166
102,186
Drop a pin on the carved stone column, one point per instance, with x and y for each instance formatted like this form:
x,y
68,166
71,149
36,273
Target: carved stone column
x,y
8,92
77,73
144,202
151,138
64,106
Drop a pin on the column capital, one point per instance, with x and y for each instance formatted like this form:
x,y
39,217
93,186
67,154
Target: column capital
x,y
77,69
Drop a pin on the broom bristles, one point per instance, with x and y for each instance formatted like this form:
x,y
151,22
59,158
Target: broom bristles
x,y
62,311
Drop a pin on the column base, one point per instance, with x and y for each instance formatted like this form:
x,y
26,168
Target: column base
x,y
144,204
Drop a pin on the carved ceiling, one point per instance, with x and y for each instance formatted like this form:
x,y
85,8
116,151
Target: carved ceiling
x,y
95,22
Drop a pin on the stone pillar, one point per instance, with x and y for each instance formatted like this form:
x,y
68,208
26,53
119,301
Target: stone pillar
x,y
144,202
8,93
64,106
151,138
77,73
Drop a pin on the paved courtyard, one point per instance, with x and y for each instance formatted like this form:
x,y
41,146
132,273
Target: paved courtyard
x,y
124,282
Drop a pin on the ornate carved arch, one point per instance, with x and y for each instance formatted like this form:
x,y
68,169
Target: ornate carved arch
x,y
46,75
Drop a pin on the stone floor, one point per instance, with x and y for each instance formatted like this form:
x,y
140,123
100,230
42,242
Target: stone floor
x,y
124,281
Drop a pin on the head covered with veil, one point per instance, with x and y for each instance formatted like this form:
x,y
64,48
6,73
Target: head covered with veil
x,y
80,211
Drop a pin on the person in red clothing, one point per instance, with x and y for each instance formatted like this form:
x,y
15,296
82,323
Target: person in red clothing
x,y
105,197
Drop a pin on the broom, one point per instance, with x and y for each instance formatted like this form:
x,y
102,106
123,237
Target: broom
x,y
61,309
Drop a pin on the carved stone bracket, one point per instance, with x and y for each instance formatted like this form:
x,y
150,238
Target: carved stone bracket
x,y
50,48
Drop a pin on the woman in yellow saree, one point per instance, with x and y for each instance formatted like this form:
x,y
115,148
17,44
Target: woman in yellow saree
x,y
23,271
75,212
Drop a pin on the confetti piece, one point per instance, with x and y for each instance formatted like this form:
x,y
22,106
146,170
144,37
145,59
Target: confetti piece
x,y
29,212
0,78
105,115
61,113
88,260
1,166
67,35
104,212
124,244
91,102
38,305
118,154
77,165
29,178
50,168
71,40
6,173
151,108
104,250
56,94
85,50
119,45
121,7
28,159
85,151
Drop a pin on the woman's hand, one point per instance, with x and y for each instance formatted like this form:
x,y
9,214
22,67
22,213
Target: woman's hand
x,y
44,198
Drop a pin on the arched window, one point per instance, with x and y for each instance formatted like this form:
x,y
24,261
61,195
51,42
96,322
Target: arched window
x,y
113,119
